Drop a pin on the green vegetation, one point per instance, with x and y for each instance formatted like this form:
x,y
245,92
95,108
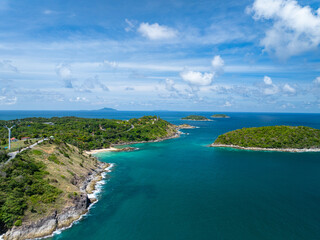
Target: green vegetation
x,y
195,118
41,180
220,116
3,156
272,137
23,185
88,134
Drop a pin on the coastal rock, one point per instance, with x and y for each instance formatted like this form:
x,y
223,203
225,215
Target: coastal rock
x,y
185,126
71,214
46,226
42,228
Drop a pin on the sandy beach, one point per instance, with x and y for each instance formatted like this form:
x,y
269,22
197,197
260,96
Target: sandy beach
x,y
110,149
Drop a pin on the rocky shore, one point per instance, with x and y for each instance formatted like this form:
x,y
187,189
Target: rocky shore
x,y
185,126
267,149
59,220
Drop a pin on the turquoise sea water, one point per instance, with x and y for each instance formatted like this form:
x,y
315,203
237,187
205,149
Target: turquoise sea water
x,y
182,189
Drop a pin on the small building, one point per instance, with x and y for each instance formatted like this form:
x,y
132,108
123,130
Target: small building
x,y
25,138
13,140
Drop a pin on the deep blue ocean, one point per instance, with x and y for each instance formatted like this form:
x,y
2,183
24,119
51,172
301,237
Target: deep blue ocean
x,y
181,189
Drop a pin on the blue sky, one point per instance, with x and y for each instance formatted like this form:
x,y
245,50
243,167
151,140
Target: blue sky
x,y
244,55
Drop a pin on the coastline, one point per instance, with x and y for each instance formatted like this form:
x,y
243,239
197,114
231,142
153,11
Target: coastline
x,y
292,150
57,222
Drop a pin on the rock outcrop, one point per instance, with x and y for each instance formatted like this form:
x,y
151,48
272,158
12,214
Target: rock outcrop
x,y
48,225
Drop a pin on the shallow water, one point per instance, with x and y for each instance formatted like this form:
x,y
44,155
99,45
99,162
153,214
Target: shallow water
x,y
182,189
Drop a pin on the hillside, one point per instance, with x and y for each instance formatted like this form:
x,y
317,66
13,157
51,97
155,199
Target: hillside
x,y
88,133
277,137
196,118
45,181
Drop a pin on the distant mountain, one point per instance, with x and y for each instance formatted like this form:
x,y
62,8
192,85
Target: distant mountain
x,y
107,110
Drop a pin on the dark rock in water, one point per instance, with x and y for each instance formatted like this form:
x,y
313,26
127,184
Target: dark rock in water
x,y
127,149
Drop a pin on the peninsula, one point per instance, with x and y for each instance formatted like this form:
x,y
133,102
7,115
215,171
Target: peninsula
x,y
272,138
220,116
53,179
196,118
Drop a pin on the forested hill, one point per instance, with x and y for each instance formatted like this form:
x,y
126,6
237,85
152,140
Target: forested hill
x,y
87,133
281,137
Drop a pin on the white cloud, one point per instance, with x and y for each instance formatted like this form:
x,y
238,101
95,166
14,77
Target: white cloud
x,y
218,64
93,83
5,100
7,65
156,31
197,78
227,104
110,63
169,85
295,28
317,81
130,26
48,12
64,72
267,80
288,89
78,99
273,89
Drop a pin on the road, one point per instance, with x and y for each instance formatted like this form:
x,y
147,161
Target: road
x,y
12,155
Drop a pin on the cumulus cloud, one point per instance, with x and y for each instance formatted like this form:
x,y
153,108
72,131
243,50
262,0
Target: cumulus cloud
x,y
92,83
8,65
295,28
169,85
218,64
227,104
197,78
267,80
64,72
288,89
156,31
6,100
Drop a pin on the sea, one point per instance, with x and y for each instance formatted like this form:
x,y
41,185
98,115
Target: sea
x,y
181,189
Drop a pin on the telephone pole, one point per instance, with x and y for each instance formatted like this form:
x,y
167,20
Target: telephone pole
x,y
9,129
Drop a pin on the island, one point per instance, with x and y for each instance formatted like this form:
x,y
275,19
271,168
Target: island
x,y
196,118
107,110
48,177
272,138
220,116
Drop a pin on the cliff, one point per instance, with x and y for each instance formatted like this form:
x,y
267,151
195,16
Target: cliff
x,y
72,176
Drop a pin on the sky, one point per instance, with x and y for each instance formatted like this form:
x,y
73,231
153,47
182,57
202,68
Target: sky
x,y
186,55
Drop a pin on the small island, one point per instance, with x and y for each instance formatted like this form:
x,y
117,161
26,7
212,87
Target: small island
x,y
272,138
195,118
220,116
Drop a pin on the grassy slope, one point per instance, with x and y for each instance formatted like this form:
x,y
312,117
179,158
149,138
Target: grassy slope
x,y
59,167
272,137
